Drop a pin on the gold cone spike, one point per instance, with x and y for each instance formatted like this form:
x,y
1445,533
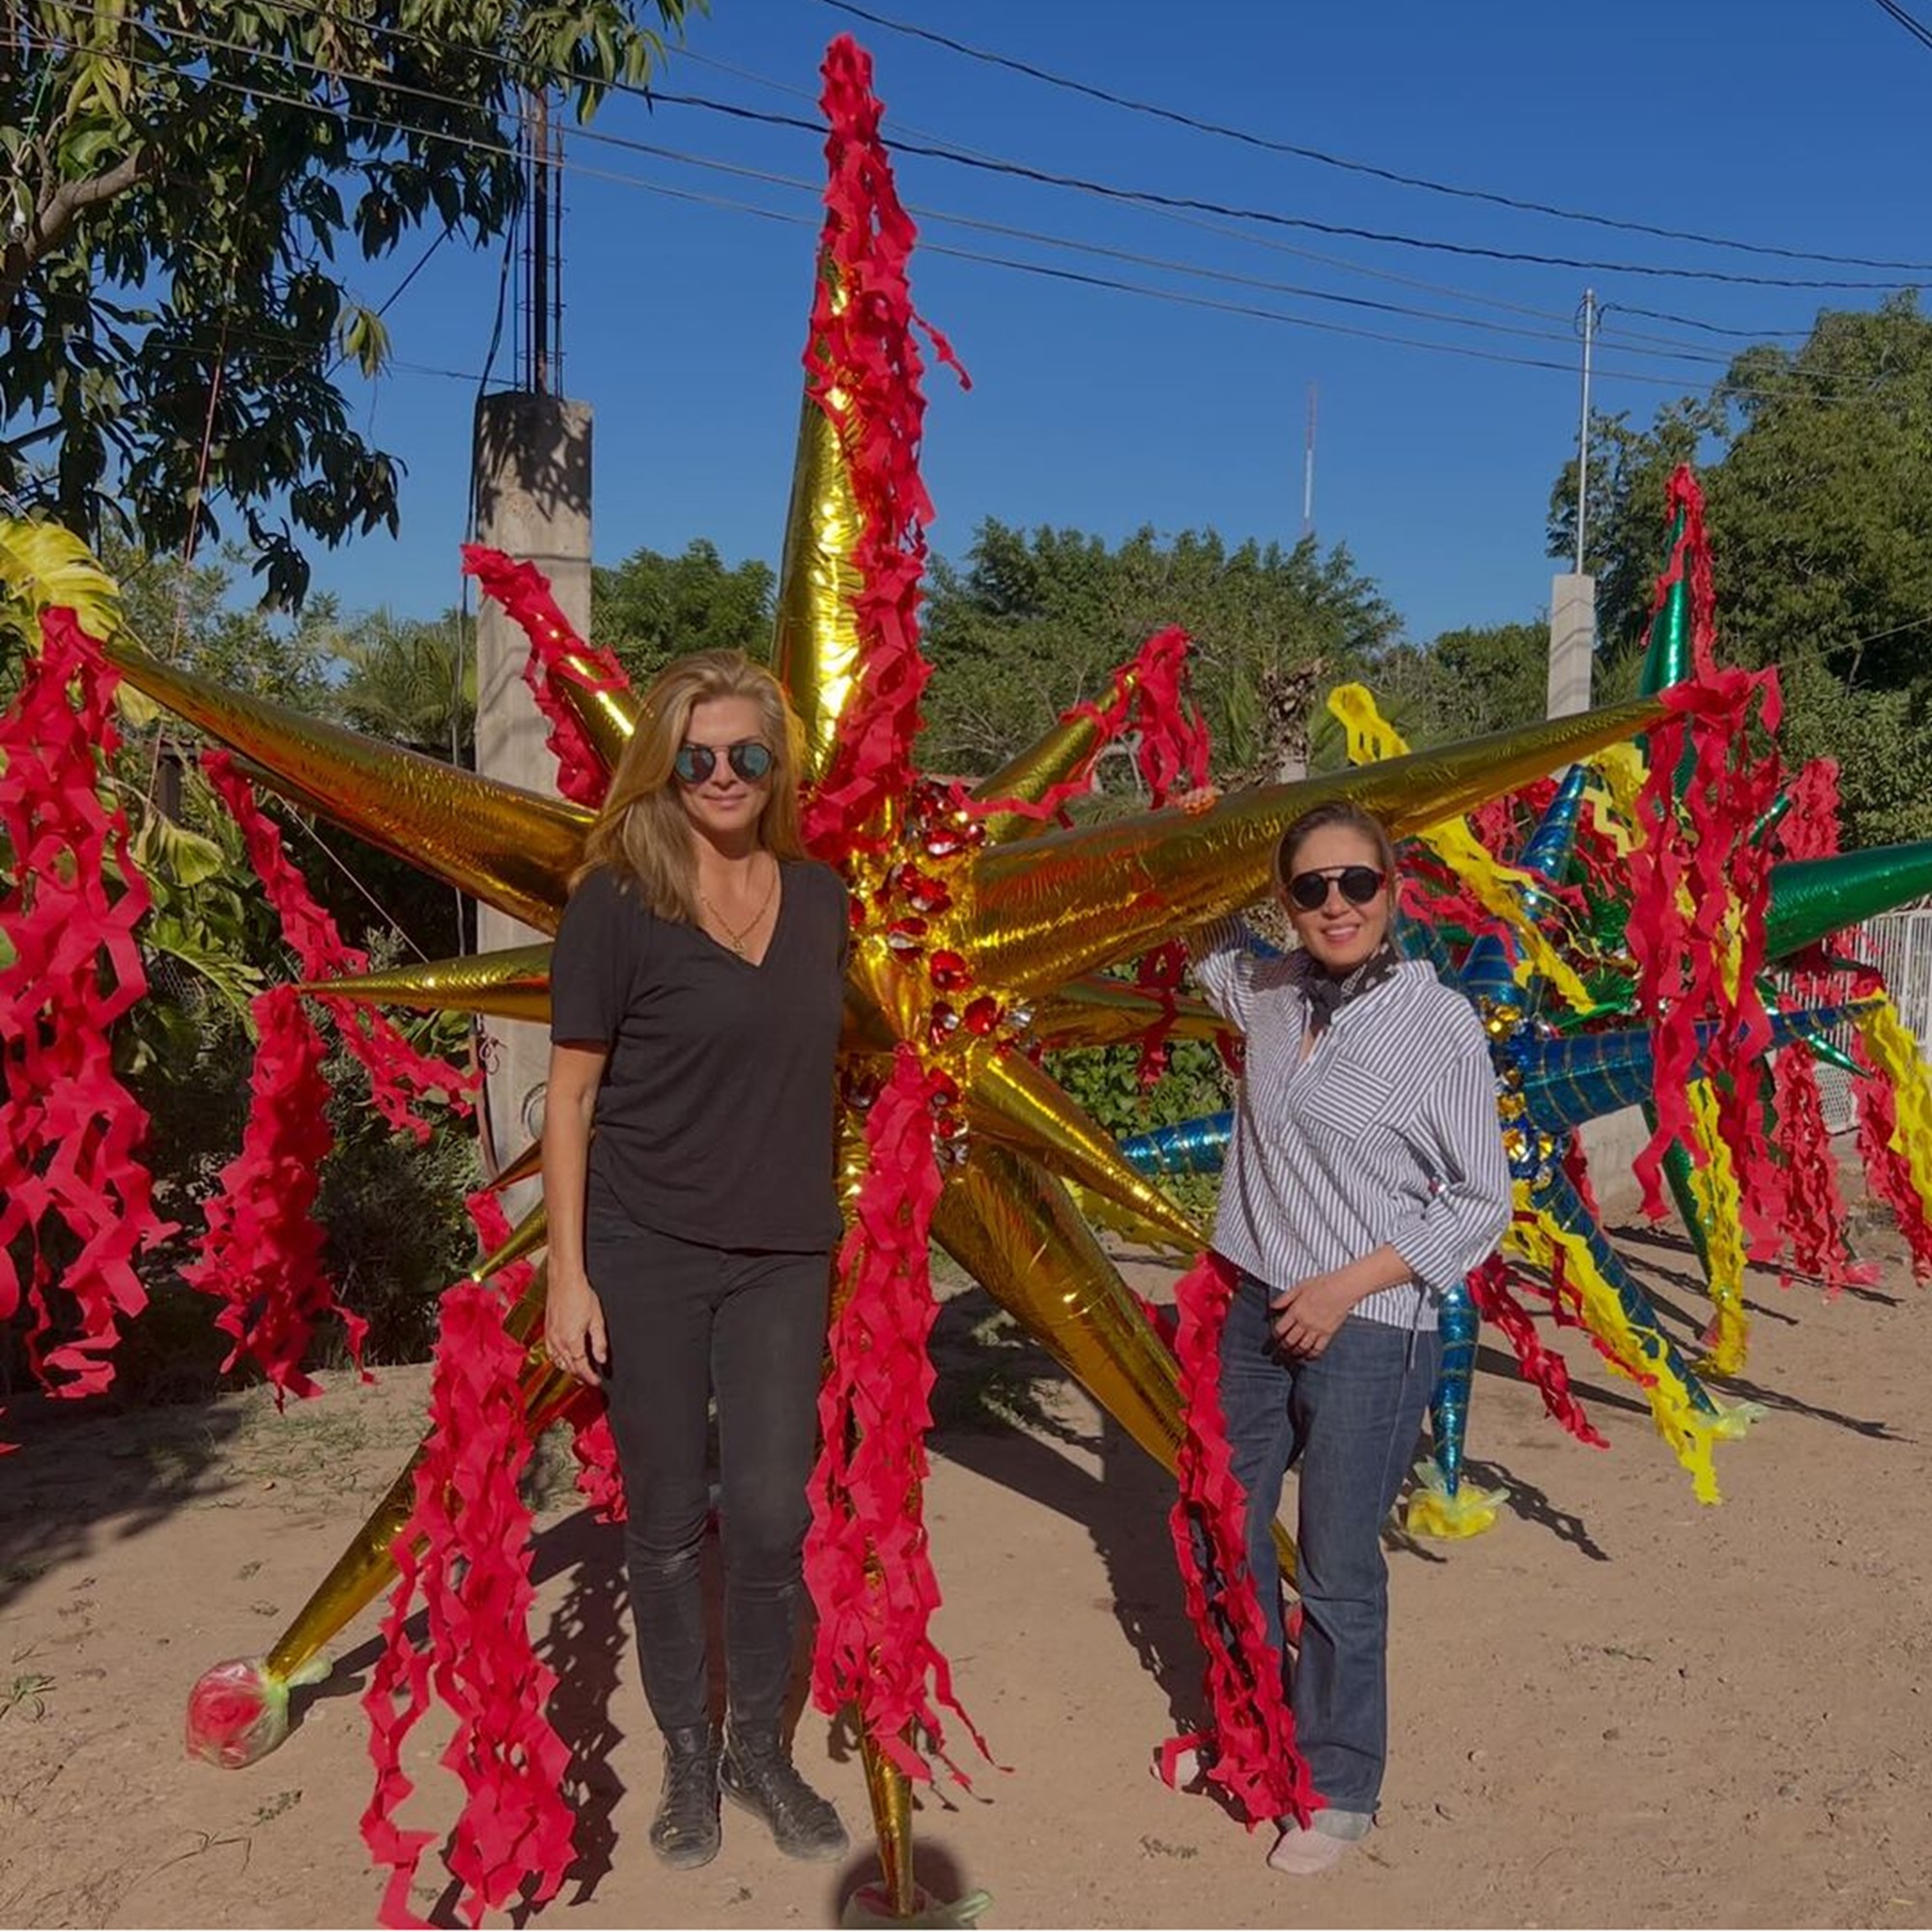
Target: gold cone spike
x,y
511,985
609,718
368,1565
515,849
815,636
1012,1100
1050,761
1012,1227
1093,1012
1053,907
890,1793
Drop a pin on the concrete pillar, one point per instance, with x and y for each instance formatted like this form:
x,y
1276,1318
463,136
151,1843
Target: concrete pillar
x,y
532,469
1573,642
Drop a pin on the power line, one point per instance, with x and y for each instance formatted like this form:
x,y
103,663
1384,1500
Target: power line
x,y
1273,218
959,156
311,106
1919,31
1371,169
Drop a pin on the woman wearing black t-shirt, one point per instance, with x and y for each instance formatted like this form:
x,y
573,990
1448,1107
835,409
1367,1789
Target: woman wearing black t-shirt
x,y
696,989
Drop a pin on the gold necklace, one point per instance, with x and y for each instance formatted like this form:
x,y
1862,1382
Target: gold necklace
x,y
736,940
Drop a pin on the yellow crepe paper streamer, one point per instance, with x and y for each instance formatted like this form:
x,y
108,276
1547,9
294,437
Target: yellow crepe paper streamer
x,y
1499,886
1619,774
1713,1187
1432,1511
1689,1431
1895,1054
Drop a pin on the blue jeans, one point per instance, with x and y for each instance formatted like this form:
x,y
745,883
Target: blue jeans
x,y
1350,1419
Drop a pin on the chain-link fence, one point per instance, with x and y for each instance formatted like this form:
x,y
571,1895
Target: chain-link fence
x,y
1899,944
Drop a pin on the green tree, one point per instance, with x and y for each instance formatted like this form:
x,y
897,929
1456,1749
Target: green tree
x,y
652,608
180,181
1032,623
411,680
1818,481
1488,678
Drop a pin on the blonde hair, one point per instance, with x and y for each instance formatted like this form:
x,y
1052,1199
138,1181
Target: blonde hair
x,y
642,833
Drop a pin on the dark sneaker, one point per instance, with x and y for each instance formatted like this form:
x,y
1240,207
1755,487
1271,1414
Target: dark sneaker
x,y
685,1830
757,1772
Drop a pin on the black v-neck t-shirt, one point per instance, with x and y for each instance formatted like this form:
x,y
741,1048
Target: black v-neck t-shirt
x,y
715,1116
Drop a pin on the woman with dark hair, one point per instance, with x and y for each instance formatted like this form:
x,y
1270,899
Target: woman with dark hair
x,y
1367,1175
697,993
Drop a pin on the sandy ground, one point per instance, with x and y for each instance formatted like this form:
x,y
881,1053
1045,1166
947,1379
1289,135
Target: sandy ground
x,y
1617,1707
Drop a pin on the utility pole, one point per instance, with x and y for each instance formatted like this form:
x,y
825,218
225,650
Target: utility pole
x,y
1589,326
531,472
1308,470
1573,595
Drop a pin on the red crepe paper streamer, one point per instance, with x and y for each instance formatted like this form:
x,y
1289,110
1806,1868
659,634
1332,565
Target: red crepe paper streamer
x,y
400,1078
599,1480
1814,1206
1697,842
1252,1756
467,1550
1541,1368
1576,1171
69,1130
558,657
262,1255
861,346
1888,1172
1809,830
867,1559
1149,697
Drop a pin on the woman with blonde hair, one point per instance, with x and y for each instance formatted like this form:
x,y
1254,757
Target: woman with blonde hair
x,y
697,990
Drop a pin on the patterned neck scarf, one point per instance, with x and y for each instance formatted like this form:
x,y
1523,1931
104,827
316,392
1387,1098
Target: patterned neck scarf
x,y
1327,993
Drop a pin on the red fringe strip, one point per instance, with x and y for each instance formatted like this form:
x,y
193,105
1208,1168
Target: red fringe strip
x,y
400,1078
861,346
558,656
866,1562
1697,843
1814,1206
69,1130
1888,1172
262,1255
1541,1368
1254,1758
599,1480
515,1833
1809,830
1149,697
1576,1171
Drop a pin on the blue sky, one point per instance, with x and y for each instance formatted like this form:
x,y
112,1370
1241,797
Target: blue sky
x,y
1804,127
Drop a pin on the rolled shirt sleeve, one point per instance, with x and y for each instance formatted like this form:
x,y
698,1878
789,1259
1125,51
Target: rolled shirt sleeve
x,y
1223,956
1459,1226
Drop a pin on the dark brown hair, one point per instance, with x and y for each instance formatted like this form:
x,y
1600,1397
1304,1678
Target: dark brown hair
x,y
1337,811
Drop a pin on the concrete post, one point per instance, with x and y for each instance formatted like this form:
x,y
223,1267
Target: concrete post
x,y
532,469
1573,642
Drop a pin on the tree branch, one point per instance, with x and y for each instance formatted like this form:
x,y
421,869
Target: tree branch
x,y
58,214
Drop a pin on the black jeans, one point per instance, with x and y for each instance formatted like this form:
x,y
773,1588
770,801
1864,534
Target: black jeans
x,y
687,1323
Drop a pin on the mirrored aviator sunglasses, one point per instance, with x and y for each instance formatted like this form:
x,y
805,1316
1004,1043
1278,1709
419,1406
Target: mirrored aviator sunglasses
x,y
750,757
1360,884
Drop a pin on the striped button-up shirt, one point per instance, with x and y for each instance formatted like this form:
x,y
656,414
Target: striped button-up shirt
x,y
1385,1135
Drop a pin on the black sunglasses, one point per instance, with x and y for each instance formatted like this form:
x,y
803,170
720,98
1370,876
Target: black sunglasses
x,y
1309,891
749,757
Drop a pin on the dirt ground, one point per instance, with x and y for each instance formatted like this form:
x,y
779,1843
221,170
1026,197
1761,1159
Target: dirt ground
x,y
1617,1707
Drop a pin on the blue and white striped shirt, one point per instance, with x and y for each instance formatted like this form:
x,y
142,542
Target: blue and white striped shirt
x,y
1385,1135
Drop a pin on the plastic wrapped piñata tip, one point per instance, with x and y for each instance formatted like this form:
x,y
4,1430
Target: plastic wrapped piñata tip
x,y
239,1711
